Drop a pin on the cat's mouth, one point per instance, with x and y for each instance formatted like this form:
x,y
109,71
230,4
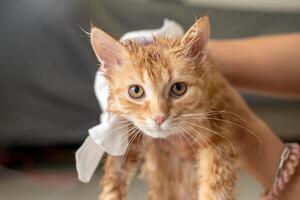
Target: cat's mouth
x,y
156,132
153,130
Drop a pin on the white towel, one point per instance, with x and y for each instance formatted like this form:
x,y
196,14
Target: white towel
x,y
107,136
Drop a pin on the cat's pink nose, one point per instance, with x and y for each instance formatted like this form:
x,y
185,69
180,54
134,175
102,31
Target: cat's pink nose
x,y
159,119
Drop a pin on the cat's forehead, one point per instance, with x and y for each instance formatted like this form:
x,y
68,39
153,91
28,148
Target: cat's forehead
x,y
152,62
153,53
157,64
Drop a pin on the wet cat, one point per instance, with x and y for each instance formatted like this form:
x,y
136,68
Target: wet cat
x,y
169,90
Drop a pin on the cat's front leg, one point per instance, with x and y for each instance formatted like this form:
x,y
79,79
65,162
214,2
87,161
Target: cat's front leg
x,y
217,173
118,174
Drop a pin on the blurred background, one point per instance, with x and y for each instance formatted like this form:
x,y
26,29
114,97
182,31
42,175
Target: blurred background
x,y
47,71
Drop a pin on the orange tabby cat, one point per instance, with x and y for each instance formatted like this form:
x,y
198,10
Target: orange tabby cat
x,y
169,90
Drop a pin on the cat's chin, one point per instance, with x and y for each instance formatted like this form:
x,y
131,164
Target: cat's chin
x,y
158,133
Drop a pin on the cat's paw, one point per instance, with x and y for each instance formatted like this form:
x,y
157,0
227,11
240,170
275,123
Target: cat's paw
x,y
112,193
111,196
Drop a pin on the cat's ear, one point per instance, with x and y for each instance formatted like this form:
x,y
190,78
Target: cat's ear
x,y
195,39
108,50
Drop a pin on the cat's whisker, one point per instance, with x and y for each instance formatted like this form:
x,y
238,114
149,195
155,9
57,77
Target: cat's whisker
x,y
143,138
180,119
122,122
133,140
211,131
116,128
216,133
183,135
194,139
242,127
192,114
123,160
140,135
213,113
130,130
181,142
204,138
120,127
121,136
178,140
248,131
234,114
129,146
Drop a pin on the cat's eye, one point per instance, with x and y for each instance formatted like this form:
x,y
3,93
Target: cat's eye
x,y
178,89
136,92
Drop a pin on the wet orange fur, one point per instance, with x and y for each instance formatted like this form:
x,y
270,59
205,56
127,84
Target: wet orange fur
x,y
211,174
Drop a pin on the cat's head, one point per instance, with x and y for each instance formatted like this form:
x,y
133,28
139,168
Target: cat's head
x,y
154,85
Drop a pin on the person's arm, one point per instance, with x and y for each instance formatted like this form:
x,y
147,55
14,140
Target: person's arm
x,y
263,165
265,64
